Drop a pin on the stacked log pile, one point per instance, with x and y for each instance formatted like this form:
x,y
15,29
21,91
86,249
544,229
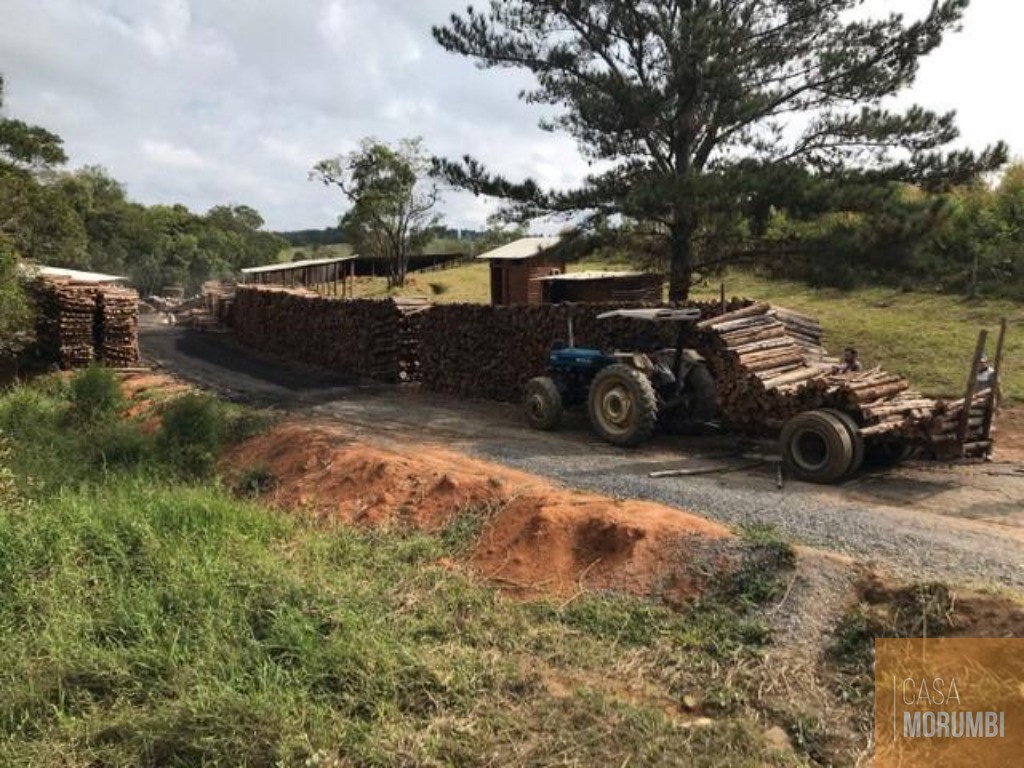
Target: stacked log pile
x,y
357,337
66,322
81,323
118,327
409,332
769,365
491,352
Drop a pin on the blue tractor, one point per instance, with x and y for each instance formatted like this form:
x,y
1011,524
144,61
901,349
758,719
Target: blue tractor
x,y
628,394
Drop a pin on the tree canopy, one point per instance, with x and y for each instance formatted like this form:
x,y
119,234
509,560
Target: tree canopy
x,y
682,105
392,200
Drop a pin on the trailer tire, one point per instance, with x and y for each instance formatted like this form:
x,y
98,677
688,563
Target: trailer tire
x,y
853,429
623,406
816,447
542,403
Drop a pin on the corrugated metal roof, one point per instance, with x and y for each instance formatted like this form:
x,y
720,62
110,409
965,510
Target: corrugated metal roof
x,y
286,266
72,274
593,275
524,248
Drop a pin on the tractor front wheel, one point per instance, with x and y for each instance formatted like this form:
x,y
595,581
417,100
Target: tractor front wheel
x,y
542,403
623,406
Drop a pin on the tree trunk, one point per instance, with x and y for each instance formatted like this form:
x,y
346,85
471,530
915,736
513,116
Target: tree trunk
x,y
680,259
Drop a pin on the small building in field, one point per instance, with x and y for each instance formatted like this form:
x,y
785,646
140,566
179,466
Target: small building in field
x,y
326,275
601,287
516,267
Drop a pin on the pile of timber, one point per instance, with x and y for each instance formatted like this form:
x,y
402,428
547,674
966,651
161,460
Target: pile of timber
x,y
66,322
770,364
491,352
118,327
80,323
357,337
409,333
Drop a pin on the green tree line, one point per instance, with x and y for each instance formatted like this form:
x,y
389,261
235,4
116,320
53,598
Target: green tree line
x,y
83,219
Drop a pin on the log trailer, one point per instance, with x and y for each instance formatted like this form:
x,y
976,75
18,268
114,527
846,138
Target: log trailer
x,y
765,371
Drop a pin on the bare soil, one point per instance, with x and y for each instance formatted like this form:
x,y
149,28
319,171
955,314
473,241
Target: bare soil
x,y
536,537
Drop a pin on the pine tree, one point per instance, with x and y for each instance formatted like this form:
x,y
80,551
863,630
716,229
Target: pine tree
x,y
685,102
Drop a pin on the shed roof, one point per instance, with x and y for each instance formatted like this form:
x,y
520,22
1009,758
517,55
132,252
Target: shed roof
x,y
591,276
524,248
287,266
77,275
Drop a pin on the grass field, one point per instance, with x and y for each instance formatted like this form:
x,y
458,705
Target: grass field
x,y
154,617
930,338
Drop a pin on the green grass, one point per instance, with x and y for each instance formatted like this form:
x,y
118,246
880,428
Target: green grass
x,y
930,338
151,618
162,625
466,284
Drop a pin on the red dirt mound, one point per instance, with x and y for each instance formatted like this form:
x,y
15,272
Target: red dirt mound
x,y
537,537
561,542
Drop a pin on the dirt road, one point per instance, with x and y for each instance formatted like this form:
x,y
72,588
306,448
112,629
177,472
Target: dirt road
x,y
962,524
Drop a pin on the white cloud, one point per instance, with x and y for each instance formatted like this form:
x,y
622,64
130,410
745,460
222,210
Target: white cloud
x,y
214,101
171,156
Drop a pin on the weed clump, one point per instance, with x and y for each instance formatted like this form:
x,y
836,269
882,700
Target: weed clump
x,y
96,395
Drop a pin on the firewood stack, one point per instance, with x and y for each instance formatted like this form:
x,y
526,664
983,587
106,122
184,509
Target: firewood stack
x,y
66,323
80,323
118,329
357,337
491,352
769,365
409,327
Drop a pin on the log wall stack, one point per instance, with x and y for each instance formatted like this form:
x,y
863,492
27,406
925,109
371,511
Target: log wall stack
x,y
361,338
492,351
118,327
65,322
81,323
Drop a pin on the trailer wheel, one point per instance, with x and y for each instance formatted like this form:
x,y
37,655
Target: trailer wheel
x,y
542,403
858,442
816,447
623,406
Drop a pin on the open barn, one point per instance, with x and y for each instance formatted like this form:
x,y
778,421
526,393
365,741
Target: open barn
x,y
329,276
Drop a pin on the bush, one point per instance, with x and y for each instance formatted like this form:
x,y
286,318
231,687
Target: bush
x,y
96,395
118,445
192,434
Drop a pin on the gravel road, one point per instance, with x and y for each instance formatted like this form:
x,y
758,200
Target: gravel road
x,y
964,525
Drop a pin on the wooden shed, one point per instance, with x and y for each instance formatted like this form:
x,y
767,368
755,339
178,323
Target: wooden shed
x,y
598,287
328,275
516,267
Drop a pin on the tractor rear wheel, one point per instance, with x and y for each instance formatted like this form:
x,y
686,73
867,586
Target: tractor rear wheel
x,y
623,406
542,403
816,447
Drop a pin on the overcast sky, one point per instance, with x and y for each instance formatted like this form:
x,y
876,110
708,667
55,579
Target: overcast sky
x,y
232,101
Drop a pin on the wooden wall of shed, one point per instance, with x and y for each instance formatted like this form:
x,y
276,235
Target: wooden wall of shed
x,y
514,281
638,288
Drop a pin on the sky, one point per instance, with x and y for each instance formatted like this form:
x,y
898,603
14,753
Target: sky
x,y
208,102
